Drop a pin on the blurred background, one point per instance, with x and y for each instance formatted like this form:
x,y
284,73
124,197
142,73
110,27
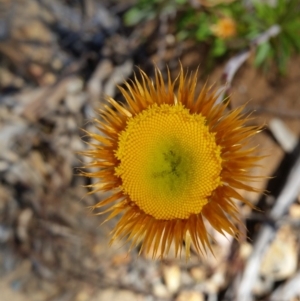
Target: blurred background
x,y
58,58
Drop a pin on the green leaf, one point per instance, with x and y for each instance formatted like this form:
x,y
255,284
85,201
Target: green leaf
x,y
134,16
182,35
262,53
294,41
219,48
203,30
281,8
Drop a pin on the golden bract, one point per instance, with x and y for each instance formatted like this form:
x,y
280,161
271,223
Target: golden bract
x,y
171,159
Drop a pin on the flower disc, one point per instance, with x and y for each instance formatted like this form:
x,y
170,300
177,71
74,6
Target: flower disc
x,y
169,162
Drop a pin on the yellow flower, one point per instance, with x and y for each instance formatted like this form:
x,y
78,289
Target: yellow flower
x,y
171,160
225,28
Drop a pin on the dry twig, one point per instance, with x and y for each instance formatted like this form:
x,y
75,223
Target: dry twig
x,y
237,61
287,196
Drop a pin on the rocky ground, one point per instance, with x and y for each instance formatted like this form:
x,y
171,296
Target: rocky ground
x,y
57,60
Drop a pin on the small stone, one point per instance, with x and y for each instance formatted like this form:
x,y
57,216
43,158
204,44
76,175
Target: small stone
x,y
190,296
295,211
74,103
198,273
171,275
48,79
245,250
23,222
74,86
36,70
280,261
160,290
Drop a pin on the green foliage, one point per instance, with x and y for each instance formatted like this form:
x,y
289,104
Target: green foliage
x,y
286,14
149,9
251,21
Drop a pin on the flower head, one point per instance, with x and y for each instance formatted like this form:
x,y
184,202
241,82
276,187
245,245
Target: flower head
x,y
225,28
171,160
